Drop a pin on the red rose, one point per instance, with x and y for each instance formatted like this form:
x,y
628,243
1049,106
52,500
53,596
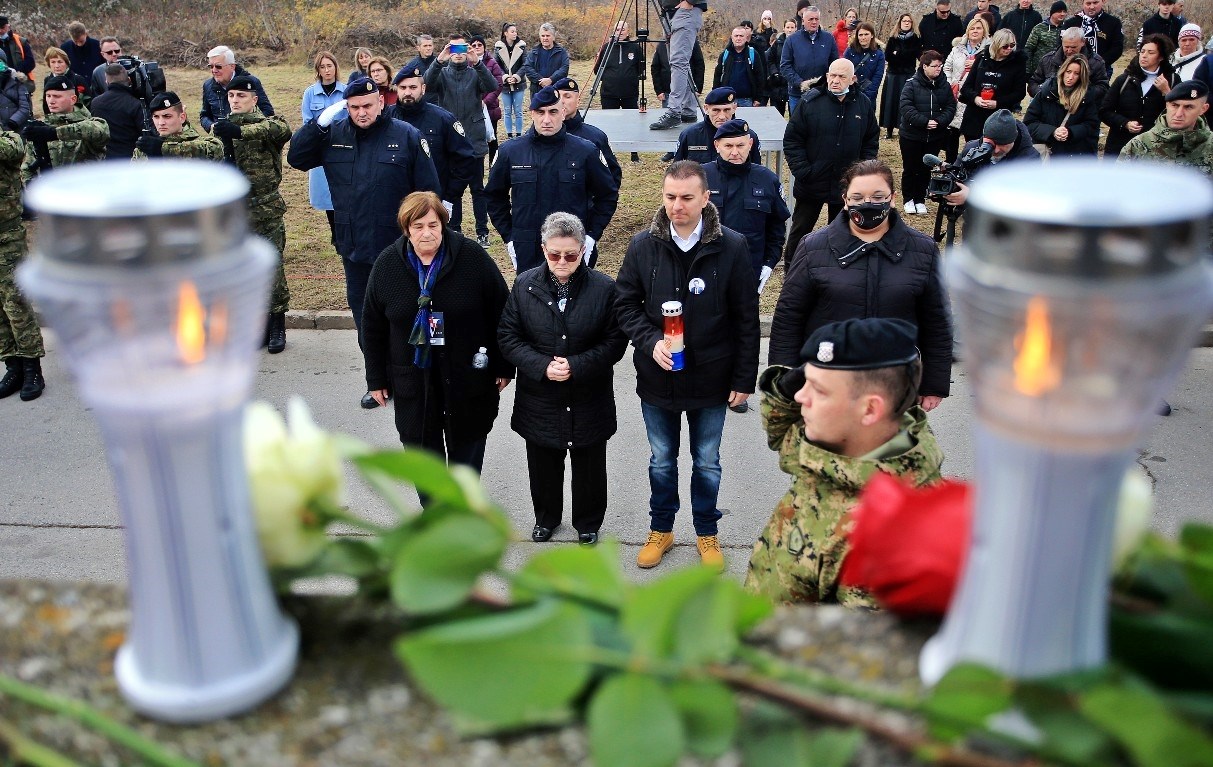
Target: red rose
x,y
908,545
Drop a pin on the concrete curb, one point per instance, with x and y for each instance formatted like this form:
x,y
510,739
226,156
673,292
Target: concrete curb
x,y
337,320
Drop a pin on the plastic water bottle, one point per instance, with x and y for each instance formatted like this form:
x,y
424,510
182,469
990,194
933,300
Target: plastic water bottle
x,y
480,360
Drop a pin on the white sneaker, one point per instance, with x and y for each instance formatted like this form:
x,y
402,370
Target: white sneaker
x,y
909,208
920,208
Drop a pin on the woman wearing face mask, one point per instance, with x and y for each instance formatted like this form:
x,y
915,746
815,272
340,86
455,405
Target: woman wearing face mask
x,y
867,263
1063,116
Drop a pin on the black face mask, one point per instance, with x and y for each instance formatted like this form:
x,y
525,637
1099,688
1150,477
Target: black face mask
x,y
869,215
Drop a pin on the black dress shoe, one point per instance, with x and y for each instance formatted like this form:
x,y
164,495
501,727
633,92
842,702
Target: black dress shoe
x,y
368,402
587,539
541,534
1165,408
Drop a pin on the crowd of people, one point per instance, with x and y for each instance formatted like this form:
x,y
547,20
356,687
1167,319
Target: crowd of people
x,y
861,340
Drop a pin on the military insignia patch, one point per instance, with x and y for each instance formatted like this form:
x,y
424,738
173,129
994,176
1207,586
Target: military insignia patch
x,y
1194,95
425,147
458,126
825,351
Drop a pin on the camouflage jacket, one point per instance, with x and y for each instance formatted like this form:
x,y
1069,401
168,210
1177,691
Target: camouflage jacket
x,y
80,137
188,143
1193,148
798,555
259,156
12,155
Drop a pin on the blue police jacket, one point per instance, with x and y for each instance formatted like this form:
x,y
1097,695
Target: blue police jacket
x,y
534,176
369,172
449,147
695,143
577,126
750,201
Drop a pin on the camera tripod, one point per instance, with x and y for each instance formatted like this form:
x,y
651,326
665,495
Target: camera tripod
x,y
952,213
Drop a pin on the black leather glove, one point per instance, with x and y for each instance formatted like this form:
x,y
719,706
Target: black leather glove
x,y
791,382
226,129
38,131
151,145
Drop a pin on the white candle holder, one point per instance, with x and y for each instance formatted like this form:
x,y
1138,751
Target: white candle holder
x,y
157,294
1080,296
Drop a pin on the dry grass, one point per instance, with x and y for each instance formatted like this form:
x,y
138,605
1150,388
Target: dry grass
x,y
313,267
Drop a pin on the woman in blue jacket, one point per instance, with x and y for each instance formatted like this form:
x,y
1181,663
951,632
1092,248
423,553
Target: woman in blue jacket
x,y
865,53
327,90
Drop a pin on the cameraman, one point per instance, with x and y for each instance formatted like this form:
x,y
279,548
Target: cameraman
x,y
1009,139
122,111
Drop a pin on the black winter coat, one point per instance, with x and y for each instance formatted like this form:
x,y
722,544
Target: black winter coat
x,y
123,112
824,136
578,412
1009,76
470,292
937,35
721,320
1109,39
901,54
1124,103
1045,113
1046,69
621,71
1021,23
829,282
923,100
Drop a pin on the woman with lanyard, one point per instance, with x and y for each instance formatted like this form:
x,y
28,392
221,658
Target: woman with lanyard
x,y
429,334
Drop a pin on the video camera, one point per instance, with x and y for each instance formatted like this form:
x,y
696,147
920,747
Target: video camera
x,y
947,177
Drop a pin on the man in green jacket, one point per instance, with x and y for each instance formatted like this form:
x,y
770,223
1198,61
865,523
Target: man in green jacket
x,y
21,345
70,133
174,136
1180,135
835,421
254,143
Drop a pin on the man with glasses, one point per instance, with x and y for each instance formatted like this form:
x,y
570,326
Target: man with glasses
x,y
841,412
222,63
1072,44
835,126
940,28
111,50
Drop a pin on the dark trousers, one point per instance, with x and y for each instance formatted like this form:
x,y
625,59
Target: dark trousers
x,y
951,144
332,227
914,172
803,218
546,468
434,434
480,204
357,277
614,102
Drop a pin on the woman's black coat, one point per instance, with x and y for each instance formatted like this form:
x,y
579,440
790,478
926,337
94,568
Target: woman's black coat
x,y
1124,103
578,412
1009,77
1045,113
470,292
923,100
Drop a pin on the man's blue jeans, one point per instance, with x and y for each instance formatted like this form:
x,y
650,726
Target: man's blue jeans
x,y
664,428
745,102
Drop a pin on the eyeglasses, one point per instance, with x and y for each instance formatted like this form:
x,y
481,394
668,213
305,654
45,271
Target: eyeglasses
x,y
114,51
877,198
569,258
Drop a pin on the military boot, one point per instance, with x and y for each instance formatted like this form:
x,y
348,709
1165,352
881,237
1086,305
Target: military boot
x,y
276,337
32,386
13,377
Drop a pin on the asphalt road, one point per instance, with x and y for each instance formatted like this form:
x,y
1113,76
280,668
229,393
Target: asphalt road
x,y
58,518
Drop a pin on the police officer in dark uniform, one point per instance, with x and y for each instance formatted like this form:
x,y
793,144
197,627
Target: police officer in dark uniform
x,y
696,142
449,147
545,170
372,162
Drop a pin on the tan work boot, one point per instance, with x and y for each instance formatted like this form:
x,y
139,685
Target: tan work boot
x,y
709,552
654,549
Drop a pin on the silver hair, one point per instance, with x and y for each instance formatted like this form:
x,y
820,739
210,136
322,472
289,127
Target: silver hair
x,y
425,39
810,8
224,51
547,26
561,224
1073,33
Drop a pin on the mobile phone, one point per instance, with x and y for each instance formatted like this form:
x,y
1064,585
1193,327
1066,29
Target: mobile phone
x,y
459,47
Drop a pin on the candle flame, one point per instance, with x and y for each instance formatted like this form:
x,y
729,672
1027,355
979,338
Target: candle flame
x,y
1036,370
191,335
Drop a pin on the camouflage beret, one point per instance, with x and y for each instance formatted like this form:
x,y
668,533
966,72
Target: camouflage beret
x,y
544,98
360,85
59,83
242,83
862,344
723,95
163,101
566,84
732,129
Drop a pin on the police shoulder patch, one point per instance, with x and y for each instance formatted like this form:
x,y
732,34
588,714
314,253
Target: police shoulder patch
x,y
425,147
602,158
458,126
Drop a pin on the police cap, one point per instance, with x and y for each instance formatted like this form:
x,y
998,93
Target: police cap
x,y
544,98
360,85
723,95
1188,90
732,129
58,83
163,101
862,344
242,83
566,84
408,74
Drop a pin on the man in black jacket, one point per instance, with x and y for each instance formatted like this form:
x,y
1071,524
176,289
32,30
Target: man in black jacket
x,y
1007,138
833,126
687,261
450,149
1103,32
1072,43
940,28
122,110
620,60
1021,22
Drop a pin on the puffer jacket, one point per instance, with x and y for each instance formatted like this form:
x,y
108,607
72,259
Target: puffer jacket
x,y
578,412
1124,103
824,136
923,100
833,279
15,106
493,100
1045,114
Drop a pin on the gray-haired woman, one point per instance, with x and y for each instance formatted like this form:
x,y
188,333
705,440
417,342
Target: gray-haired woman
x,y
559,328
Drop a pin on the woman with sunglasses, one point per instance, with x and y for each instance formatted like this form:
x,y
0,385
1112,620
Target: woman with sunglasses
x,y
429,334
998,80
559,329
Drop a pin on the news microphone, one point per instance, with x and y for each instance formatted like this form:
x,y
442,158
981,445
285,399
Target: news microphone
x,y
932,161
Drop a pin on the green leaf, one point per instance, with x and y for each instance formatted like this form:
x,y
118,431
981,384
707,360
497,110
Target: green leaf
x,y
1050,705
348,556
752,609
1139,720
420,468
709,714
436,567
505,670
651,613
1135,638
964,699
771,737
589,573
1196,542
633,723
1196,538
706,629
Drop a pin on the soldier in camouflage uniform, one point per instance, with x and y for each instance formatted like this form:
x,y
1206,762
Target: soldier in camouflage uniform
x,y
20,339
175,137
254,142
70,132
1180,135
835,422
